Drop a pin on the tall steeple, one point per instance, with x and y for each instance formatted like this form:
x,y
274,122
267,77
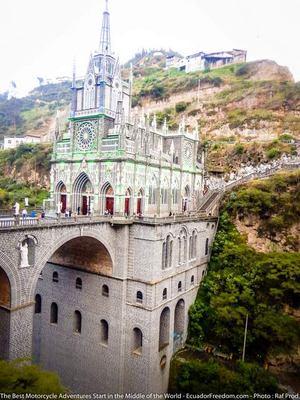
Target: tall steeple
x,y
105,42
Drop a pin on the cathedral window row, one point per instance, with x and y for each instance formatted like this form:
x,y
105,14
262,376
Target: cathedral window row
x,y
78,284
167,249
77,325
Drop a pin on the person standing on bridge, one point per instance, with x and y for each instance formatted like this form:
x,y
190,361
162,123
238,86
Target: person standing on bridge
x,y
24,214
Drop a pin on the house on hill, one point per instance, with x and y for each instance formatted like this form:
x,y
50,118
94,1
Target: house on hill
x,y
202,61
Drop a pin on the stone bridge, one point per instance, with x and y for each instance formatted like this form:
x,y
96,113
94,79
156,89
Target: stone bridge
x,y
27,245
43,240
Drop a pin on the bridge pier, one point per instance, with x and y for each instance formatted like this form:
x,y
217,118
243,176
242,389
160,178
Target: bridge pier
x,y
20,332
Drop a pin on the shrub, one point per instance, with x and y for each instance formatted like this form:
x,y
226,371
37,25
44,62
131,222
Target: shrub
x,y
273,153
182,106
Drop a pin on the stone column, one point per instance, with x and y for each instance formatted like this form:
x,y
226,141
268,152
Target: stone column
x,y
20,338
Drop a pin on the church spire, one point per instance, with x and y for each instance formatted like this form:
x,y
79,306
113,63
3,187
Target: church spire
x,y
105,42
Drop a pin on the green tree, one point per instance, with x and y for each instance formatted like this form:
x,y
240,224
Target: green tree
x,y
19,377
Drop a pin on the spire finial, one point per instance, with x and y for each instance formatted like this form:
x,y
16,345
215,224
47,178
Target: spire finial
x,y
105,42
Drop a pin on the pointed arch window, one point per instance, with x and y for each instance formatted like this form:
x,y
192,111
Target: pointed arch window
x,y
167,253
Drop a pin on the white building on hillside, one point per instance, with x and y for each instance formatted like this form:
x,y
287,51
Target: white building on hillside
x,y
201,61
15,141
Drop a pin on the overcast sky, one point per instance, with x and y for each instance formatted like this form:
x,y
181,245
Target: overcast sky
x,y
42,37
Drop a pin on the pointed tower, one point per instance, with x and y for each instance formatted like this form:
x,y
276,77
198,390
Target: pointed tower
x,y
105,41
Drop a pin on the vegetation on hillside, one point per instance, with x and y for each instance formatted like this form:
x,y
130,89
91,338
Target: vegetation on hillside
x,y
275,203
241,282
17,377
227,154
20,115
24,172
196,376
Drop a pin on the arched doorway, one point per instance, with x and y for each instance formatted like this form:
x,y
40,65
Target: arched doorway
x,y
128,197
108,197
5,303
140,202
179,319
61,196
83,194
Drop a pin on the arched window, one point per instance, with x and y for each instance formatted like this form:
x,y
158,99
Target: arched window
x,y
152,192
206,246
182,248
179,286
194,250
139,297
167,253
192,280
191,247
54,313
104,332
137,341
164,328
38,304
179,324
77,322
105,291
165,294
55,276
175,192
78,283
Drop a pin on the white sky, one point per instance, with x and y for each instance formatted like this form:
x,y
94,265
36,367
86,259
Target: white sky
x,y
42,37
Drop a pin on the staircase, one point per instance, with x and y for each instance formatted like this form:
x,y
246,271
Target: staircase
x,y
208,202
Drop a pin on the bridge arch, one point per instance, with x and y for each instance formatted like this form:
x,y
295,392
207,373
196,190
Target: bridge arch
x,y
94,244
14,279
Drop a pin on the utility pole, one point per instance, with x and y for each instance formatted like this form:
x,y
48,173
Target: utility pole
x,y
245,338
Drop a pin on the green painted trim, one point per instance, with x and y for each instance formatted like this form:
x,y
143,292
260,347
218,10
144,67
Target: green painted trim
x,y
97,116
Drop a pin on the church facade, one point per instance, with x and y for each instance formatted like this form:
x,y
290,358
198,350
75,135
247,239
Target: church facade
x,y
112,305
113,160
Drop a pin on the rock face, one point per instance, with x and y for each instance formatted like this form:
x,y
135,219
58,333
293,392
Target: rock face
x,y
267,70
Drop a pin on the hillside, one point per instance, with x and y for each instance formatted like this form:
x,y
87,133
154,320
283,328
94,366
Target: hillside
x,y
256,104
242,281
25,172
35,113
247,113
